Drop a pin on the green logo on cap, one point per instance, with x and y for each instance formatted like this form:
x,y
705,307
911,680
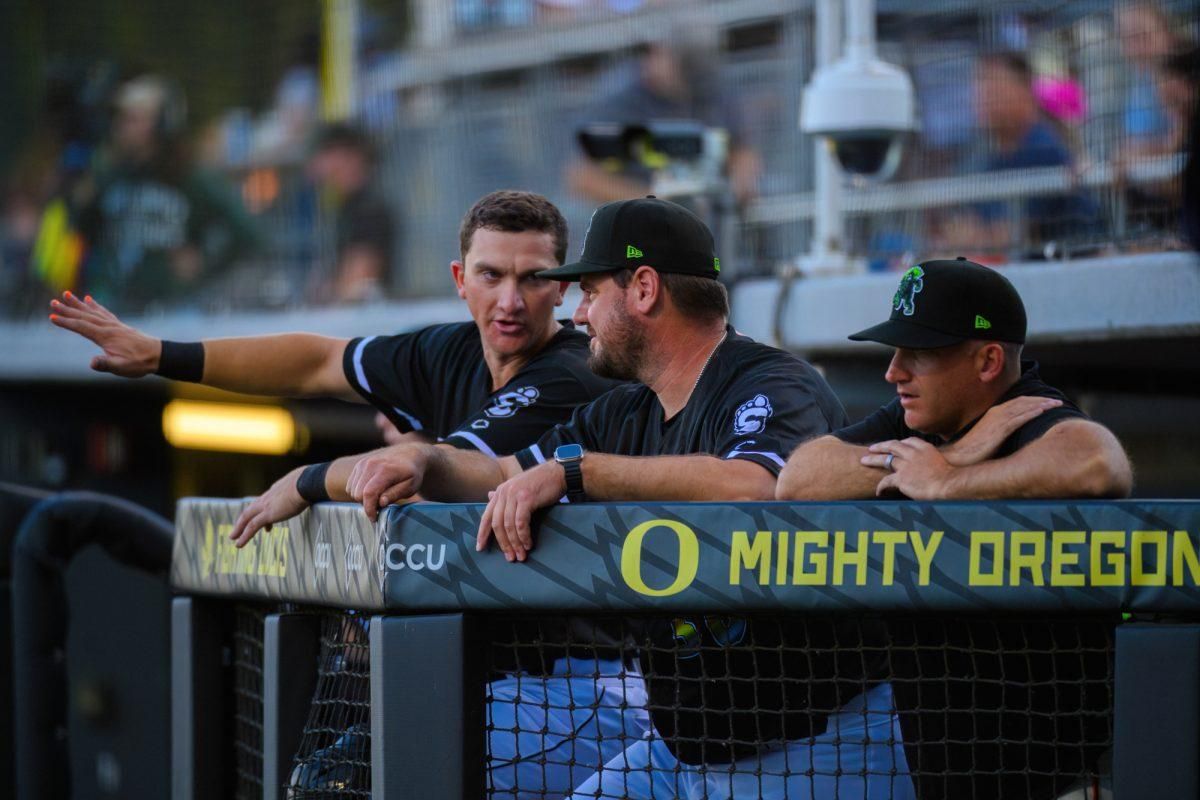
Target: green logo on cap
x,y
906,295
981,324
717,264
632,252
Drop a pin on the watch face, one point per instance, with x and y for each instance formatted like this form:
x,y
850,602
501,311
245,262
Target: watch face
x,y
566,452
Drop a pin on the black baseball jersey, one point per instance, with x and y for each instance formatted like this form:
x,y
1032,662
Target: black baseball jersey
x,y
721,687
888,421
752,402
436,381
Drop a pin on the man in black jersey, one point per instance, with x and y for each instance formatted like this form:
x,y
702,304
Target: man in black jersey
x,y
492,385
970,420
733,701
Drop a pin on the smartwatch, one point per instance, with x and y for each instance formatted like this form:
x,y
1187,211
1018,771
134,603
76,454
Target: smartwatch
x,y
571,458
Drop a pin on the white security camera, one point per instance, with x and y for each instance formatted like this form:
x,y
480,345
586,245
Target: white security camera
x,y
862,107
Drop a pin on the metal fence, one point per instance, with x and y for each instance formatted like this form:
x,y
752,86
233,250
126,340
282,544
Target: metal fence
x,y
489,95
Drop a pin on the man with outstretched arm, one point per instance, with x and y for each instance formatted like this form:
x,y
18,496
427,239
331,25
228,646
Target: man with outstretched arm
x,y
710,418
970,420
492,385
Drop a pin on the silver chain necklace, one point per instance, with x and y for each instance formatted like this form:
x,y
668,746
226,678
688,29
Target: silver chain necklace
x,y
711,353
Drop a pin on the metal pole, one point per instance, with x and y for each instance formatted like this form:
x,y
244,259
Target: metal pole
x,y
339,59
828,227
860,29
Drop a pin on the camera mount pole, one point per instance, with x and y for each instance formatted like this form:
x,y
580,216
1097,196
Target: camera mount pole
x,y
827,252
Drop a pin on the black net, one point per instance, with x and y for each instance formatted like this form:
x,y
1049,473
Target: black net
x,y
247,645
799,707
334,757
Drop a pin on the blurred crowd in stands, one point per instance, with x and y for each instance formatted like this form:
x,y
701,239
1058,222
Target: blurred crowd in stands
x,y
124,196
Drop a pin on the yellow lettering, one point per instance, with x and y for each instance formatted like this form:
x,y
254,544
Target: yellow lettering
x,y
1184,550
925,552
1138,576
746,555
689,557
1060,557
208,550
819,574
272,557
889,540
1034,561
781,558
1115,560
994,540
843,558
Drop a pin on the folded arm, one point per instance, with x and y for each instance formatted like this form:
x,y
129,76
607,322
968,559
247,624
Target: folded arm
x,y
827,468
1074,459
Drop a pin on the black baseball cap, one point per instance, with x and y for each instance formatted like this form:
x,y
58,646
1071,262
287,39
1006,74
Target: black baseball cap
x,y
940,303
629,233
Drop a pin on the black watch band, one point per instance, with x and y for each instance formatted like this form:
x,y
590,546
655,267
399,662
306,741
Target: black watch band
x,y
574,472
570,456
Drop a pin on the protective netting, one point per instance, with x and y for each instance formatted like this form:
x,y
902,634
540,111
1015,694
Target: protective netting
x,y
1045,129
247,647
799,707
334,757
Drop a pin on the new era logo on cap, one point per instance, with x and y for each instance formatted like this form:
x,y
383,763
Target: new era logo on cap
x,y
981,324
669,239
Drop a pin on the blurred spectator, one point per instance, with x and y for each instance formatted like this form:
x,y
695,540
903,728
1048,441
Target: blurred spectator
x,y
156,227
1180,89
676,79
1145,39
343,163
282,132
1177,82
19,214
1020,137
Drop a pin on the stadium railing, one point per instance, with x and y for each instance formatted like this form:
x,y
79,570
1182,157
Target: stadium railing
x,y
1034,649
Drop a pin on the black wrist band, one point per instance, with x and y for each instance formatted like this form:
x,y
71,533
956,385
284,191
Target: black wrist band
x,y
311,483
181,361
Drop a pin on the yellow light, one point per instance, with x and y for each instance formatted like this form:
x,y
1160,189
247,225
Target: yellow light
x,y
229,427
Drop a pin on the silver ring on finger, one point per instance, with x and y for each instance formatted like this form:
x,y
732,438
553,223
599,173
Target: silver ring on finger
x,y
887,462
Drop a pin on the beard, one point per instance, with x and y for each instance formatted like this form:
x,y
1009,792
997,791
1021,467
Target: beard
x,y
620,360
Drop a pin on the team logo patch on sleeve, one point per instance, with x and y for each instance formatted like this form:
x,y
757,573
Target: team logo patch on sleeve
x,y
752,415
509,403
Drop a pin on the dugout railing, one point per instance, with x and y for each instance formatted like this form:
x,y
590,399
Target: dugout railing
x,y
1033,649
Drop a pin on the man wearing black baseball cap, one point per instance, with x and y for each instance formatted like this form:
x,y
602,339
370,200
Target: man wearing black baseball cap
x,y
710,418
970,420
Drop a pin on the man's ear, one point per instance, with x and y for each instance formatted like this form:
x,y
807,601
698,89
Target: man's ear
x,y
990,362
647,289
562,292
459,273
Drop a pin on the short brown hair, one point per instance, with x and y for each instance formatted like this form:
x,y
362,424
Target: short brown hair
x,y
514,212
695,296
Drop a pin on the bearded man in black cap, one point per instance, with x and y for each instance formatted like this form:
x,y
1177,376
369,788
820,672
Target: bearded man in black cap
x,y
756,706
970,420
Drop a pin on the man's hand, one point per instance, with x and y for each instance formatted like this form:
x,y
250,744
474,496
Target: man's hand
x,y
512,504
918,469
1001,421
282,501
387,475
127,352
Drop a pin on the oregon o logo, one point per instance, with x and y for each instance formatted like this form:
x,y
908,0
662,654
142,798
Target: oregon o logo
x,y
631,558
